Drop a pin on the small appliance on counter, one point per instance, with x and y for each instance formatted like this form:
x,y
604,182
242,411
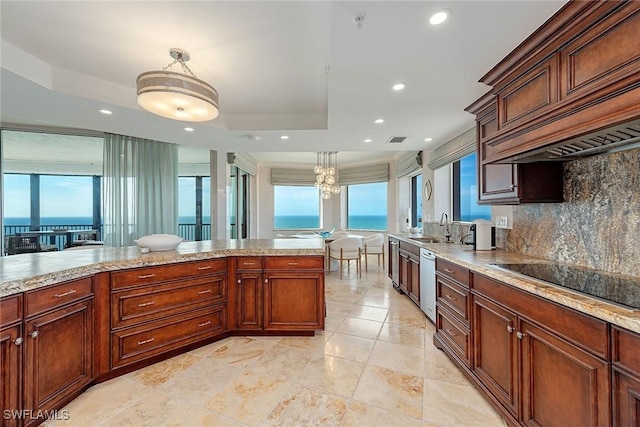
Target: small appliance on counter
x,y
483,234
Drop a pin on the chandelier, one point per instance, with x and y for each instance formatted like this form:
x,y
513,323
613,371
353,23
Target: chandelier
x,y
179,96
326,171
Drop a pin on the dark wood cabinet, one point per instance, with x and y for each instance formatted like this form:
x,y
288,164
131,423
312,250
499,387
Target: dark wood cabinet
x,y
453,332
58,356
249,294
405,273
511,183
409,270
58,345
543,365
562,384
11,345
625,377
495,347
578,74
156,310
294,294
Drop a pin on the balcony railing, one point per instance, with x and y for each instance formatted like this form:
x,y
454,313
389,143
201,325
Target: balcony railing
x,y
186,231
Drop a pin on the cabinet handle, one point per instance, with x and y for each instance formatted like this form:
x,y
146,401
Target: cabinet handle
x,y
206,291
293,263
239,281
449,297
144,304
34,334
248,263
449,270
18,341
64,294
146,276
450,332
266,280
520,335
208,322
146,341
509,328
206,267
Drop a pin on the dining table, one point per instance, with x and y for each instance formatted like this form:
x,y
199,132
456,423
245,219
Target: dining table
x,y
327,239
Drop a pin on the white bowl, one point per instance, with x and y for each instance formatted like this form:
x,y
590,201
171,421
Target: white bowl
x,y
159,242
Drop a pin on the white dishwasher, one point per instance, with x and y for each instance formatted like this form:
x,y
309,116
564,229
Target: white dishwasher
x,y
428,283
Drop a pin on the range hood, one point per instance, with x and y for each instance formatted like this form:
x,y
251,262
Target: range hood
x,y
617,138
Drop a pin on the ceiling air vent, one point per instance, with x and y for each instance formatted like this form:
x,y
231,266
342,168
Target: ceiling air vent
x,y
396,139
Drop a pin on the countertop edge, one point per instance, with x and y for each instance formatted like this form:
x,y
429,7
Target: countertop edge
x,y
626,318
30,283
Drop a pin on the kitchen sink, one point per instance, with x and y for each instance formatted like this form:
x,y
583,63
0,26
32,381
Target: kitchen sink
x,y
426,239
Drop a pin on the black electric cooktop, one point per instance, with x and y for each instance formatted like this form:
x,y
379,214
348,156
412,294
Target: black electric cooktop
x,y
614,288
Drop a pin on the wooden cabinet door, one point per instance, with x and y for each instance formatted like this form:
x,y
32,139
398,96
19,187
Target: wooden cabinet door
x,y
562,385
413,284
404,280
249,296
58,356
495,345
626,399
11,370
293,300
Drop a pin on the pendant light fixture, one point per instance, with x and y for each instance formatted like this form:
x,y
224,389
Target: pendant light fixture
x,y
179,96
326,171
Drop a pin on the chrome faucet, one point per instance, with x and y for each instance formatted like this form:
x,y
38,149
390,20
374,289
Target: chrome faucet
x,y
444,221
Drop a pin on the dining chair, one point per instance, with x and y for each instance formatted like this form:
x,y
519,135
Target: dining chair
x,y
347,249
339,234
373,245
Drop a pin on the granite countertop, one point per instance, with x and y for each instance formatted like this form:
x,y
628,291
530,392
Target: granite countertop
x,y
19,273
479,262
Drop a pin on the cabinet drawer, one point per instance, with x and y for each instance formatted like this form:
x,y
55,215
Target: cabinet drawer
x,y
153,302
626,349
454,297
249,263
455,335
160,273
54,296
138,343
293,263
452,271
11,309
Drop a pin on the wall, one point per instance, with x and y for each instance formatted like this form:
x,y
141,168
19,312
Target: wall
x,y
597,226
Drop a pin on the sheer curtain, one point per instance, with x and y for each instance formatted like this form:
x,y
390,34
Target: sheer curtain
x,y
140,188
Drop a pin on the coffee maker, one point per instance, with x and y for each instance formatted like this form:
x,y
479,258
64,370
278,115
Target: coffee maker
x,y
483,234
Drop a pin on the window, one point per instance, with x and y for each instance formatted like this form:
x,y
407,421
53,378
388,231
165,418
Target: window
x,y
66,200
416,200
465,191
194,221
17,200
367,206
296,207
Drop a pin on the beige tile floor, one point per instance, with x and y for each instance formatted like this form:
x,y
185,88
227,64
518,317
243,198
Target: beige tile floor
x,y
374,365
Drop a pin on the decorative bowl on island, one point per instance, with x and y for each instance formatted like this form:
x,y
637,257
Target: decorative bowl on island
x,y
159,242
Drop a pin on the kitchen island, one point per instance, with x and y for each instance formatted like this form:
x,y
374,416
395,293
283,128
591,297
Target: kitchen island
x,y
74,318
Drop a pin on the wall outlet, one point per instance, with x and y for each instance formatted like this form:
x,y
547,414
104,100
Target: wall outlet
x,y
502,222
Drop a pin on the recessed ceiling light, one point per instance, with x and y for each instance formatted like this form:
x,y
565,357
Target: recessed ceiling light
x,y
439,17
284,137
398,86
107,112
378,121
189,129
428,139
368,140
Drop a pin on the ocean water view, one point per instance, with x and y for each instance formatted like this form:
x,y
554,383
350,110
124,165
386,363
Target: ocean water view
x,y
359,222
83,220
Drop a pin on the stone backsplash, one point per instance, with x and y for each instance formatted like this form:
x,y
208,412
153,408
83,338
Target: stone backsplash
x,y
597,226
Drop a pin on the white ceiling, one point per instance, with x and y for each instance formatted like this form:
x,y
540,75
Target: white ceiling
x,y
300,68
